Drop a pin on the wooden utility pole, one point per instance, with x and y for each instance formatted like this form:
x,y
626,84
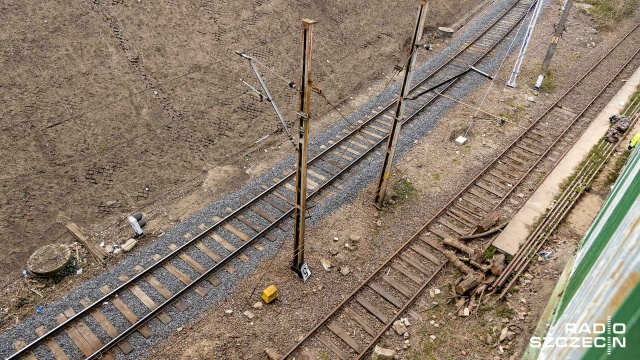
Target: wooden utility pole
x,y
298,265
394,133
554,43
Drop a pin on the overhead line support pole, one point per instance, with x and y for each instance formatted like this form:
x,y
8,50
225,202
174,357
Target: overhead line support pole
x,y
554,43
394,133
298,265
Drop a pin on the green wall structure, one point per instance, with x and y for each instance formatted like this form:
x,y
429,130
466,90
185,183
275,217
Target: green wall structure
x,y
595,313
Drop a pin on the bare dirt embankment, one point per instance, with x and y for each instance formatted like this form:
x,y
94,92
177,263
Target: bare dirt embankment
x,y
108,107
428,176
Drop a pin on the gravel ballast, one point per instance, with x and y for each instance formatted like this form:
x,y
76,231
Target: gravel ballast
x,y
363,175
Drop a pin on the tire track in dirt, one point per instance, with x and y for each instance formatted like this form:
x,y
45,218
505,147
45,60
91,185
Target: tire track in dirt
x,y
134,59
172,130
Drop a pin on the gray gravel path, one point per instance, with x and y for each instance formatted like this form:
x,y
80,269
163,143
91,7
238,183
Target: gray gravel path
x,y
366,173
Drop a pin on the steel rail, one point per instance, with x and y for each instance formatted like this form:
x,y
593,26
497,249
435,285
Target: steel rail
x,y
414,236
446,207
40,340
501,280
577,117
541,233
446,63
232,255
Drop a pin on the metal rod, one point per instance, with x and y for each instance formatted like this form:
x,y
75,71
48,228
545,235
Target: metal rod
x,y
303,150
554,43
525,45
394,133
268,95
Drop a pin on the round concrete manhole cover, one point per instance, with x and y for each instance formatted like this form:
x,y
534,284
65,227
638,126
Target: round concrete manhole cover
x,y
49,259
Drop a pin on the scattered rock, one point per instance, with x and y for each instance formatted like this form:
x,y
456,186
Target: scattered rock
x,y
111,203
354,238
129,244
503,334
432,337
466,312
249,314
272,354
228,312
326,264
528,276
345,270
405,321
380,353
350,246
436,291
228,210
489,340
406,335
258,305
444,32
379,223
511,335
335,239
108,248
521,315
179,329
333,251
523,300
399,327
531,98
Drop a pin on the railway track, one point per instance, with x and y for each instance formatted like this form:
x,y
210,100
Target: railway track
x,y
561,207
254,221
356,324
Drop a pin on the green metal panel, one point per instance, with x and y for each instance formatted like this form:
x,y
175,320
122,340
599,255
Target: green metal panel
x,y
628,313
623,196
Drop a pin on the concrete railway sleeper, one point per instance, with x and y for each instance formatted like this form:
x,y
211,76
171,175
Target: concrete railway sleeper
x,y
390,291
249,223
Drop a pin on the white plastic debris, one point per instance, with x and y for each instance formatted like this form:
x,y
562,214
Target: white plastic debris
x,y
461,140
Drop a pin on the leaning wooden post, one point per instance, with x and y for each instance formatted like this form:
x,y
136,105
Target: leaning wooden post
x,y
554,42
394,133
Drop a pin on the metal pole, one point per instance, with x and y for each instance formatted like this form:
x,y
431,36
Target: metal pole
x,y
298,264
525,45
269,97
394,133
554,43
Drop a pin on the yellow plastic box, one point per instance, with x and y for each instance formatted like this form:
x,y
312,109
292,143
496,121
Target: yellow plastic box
x,y
269,294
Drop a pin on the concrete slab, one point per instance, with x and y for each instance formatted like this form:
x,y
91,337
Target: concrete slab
x,y
519,227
